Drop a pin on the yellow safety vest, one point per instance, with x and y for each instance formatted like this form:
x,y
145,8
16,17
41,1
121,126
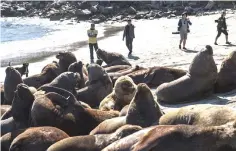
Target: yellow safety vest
x,y
92,40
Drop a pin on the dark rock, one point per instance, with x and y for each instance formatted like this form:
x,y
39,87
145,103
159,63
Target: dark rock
x,y
105,10
94,9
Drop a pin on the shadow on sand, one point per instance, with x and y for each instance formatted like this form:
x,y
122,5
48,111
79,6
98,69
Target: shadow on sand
x,y
133,57
230,45
190,51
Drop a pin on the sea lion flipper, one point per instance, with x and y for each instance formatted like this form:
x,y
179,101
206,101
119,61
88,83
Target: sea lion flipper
x,y
58,99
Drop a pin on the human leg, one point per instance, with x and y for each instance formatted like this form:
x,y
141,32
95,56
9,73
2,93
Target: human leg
x,y
91,53
217,36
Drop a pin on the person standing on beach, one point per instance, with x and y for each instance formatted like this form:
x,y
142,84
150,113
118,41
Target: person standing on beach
x,y
222,28
92,34
129,35
183,28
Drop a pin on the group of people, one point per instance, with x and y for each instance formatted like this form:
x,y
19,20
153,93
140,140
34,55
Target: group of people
x,y
183,28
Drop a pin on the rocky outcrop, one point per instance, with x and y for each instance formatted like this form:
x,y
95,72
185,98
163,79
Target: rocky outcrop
x,y
106,10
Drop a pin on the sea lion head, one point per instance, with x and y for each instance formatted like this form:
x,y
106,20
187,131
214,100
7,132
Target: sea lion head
x,y
95,72
66,56
102,54
203,64
76,67
143,109
10,71
125,88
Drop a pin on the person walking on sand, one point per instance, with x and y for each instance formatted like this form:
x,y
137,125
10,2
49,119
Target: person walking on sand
x,y
183,28
92,34
222,28
129,35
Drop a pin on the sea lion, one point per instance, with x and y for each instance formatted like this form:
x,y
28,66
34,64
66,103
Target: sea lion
x,y
117,68
37,139
79,68
203,114
197,83
93,142
2,93
12,79
98,86
155,76
67,114
48,73
7,139
186,137
124,110
67,81
4,108
121,95
65,60
226,79
143,111
7,125
112,58
24,70
126,143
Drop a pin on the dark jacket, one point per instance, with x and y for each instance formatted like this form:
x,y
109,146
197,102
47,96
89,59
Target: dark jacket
x,y
129,31
221,23
180,24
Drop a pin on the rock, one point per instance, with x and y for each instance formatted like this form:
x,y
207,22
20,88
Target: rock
x,y
171,16
96,21
105,10
55,17
131,10
84,5
83,14
94,9
209,5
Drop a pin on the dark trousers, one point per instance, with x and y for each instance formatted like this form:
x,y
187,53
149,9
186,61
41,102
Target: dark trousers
x,y
222,31
129,44
91,46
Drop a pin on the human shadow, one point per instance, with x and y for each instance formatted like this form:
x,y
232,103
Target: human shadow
x,y
229,45
190,51
133,57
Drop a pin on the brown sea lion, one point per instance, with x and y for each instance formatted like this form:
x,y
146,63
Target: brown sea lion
x,y
156,76
226,79
37,139
12,79
121,95
98,86
24,70
48,73
65,60
93,142
186,138
112,58
203,114
126,143
66,80
53,109
4,108
7,139
143,111
79,68
117,68
197,83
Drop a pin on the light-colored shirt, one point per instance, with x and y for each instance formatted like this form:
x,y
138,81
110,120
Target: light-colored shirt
x,y
92,36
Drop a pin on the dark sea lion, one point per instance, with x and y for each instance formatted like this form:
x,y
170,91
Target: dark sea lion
x,y
65,60
67,81
4,108
156,76
7,125
226,79
2,93
12,79
53,109
117,68
93,142
127,142
24,70
7,139
186,138
143,111
48,73
98,86
112,58
197,83
79,68
204,115
121,95
37,139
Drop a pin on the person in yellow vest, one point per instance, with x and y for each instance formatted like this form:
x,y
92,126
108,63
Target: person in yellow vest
x,y
92,34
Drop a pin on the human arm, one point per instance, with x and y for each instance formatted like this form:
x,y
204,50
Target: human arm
x,y
124,33
189,22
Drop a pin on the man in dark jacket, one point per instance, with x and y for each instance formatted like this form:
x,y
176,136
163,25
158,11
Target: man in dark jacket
x,y
129,35
222,28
